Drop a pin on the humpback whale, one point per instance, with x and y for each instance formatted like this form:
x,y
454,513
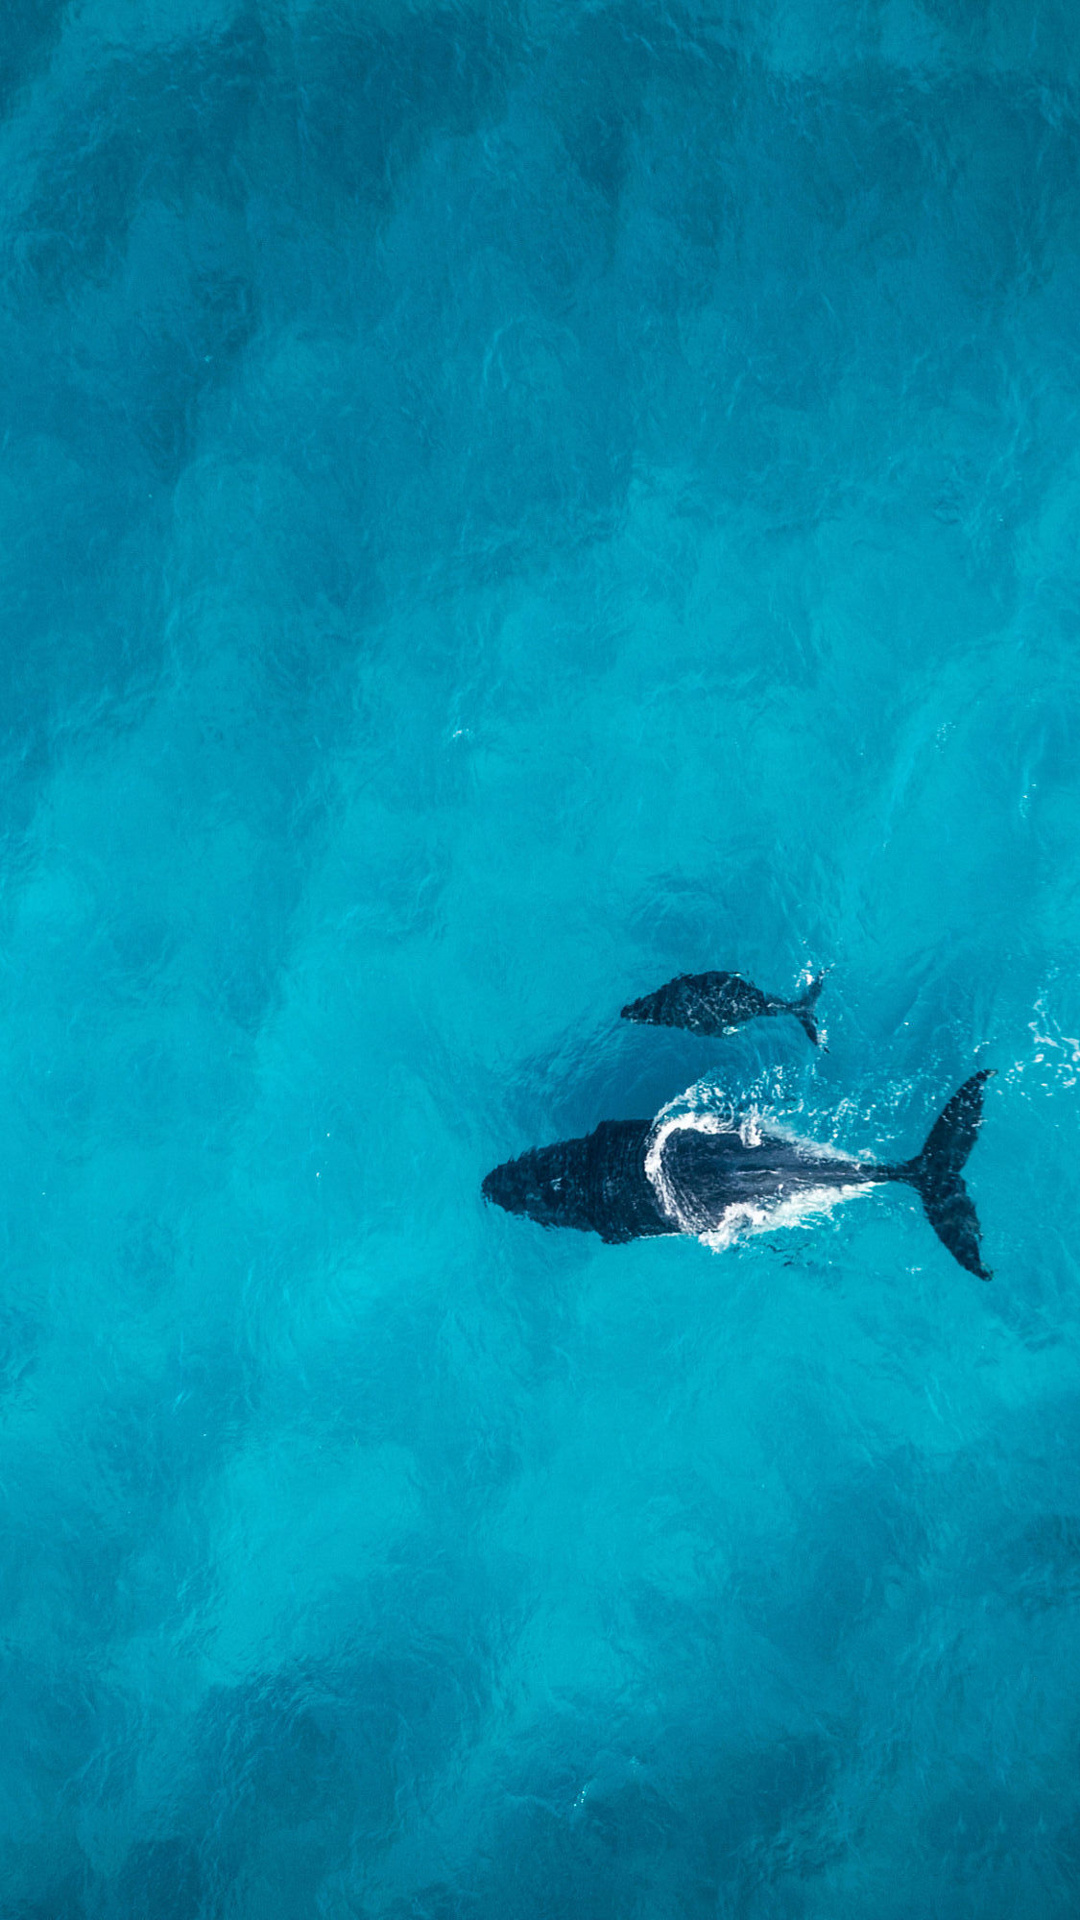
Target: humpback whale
x,y
630,1179
714,1003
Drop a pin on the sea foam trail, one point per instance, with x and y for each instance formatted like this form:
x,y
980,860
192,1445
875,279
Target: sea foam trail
x,y
701,1110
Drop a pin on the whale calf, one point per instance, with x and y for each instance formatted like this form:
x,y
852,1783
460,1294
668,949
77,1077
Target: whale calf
x,y
714,1003
630,1179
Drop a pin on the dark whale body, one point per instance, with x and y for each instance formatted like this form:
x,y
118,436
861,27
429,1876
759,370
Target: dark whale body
x,y
715,1003
597,1184
602,1183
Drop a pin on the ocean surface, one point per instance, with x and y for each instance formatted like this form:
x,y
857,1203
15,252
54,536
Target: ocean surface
x,y
501,505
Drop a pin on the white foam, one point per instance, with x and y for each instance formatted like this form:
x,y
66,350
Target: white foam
x,y
804,1209
675,1118
702,1109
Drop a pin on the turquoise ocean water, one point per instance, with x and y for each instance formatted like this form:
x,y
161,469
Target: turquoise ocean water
x,y
499,506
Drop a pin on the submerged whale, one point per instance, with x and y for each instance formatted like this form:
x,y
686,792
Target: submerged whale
x,y
714,1003
629,1179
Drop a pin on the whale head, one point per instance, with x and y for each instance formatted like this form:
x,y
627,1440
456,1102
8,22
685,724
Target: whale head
x,y
547,1184
598,1184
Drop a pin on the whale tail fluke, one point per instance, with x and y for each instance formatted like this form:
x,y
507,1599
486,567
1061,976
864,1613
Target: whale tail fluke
x,y
936,1172
803,1009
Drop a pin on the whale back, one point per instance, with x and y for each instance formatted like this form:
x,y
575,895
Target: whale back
x,y
706,1003
704,1175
